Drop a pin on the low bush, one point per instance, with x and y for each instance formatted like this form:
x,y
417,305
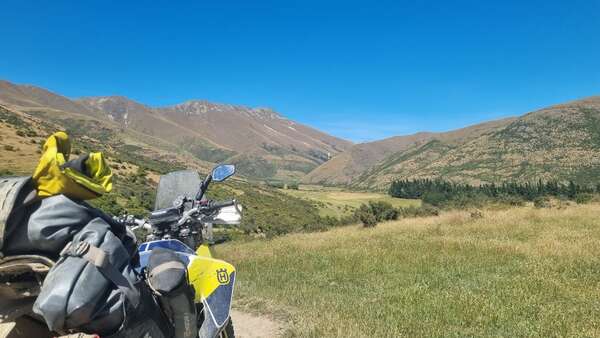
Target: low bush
x,y
583,198
512,200
423,211
367,218
6,172
374,212
542,202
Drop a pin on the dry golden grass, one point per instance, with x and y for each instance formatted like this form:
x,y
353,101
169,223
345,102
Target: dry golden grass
x,y
515,272
338,203
18,154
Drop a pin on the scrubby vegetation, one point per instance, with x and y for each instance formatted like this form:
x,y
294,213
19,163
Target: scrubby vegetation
x,y
283,185
253,166
374,212
133,194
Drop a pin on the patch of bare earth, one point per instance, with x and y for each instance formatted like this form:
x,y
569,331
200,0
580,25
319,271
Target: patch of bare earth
x,y
248,325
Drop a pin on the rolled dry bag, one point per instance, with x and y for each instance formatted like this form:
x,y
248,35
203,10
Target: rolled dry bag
x,y
167,276
91,287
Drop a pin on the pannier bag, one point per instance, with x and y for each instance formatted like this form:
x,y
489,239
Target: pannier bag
x,y
91,287
146,321
167,277
14,191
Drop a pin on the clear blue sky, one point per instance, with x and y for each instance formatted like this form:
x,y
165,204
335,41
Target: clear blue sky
x,y
360,70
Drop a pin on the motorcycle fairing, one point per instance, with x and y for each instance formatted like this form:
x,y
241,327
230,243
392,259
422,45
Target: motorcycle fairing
x,y
213,280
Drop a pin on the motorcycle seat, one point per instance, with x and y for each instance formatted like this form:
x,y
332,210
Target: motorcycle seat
x,y
21,278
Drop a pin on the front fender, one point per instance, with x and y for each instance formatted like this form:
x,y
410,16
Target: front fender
x,y
213,281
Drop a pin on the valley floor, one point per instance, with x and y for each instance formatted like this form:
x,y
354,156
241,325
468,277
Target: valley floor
x,y
516,272
335,202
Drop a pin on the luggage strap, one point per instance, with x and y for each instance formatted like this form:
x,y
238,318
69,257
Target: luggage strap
x,y
98,258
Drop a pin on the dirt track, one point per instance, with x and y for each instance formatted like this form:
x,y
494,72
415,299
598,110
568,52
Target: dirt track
x,y
252,326
245,325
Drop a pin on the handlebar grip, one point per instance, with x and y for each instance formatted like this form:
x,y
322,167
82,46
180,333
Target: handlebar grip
x,y
220,205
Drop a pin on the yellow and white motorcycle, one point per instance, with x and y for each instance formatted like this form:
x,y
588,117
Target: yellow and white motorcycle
x,y
185,225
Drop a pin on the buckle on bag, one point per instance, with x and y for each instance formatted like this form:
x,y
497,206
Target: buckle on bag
x,y
78,250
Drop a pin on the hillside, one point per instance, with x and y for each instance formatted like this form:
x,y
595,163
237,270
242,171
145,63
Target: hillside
x,y
136,176
347,167
264,144
561,142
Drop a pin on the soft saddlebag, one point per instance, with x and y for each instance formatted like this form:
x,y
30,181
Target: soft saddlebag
x,y
91,287
14,193
167,277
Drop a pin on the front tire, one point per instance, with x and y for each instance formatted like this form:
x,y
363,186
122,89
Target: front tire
x,y
227,331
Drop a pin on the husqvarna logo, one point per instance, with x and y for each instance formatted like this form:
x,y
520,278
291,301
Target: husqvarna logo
x,y
223,276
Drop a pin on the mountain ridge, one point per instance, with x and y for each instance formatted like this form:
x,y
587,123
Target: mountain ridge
x,y
263,143
560,142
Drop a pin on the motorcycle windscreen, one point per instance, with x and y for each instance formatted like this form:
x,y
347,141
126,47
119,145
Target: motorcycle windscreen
x,y
175,184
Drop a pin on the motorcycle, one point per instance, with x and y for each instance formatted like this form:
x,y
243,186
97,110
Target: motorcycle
x,y
188,224
182,222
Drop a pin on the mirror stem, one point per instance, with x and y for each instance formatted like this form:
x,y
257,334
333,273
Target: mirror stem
x,y
203,187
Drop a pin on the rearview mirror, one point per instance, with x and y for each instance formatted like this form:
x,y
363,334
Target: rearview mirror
x,y
222,172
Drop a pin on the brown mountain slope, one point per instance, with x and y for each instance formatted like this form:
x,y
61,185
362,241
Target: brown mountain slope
x,y
561,142
27,96
350,166
263,143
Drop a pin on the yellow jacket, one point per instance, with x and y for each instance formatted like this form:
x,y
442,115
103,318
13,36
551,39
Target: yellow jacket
x,y
84,178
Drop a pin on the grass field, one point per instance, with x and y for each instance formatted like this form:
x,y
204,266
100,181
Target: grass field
x,y
338,203
516,272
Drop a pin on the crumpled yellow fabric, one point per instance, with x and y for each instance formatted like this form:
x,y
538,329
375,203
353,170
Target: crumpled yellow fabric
x,y
53,176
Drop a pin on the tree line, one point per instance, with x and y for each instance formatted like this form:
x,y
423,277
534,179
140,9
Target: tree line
x,y
437,191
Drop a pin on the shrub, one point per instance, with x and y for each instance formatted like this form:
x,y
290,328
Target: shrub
x,y
511,200
374,212
435,198
542,202
583,198
6,172
423,211
368,219
8,147
383,211
467,201
476,214
276,184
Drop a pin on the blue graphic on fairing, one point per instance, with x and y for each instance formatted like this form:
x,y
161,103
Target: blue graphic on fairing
x,y
219,302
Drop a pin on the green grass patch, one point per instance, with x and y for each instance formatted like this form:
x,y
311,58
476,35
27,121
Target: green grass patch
x,y
517,272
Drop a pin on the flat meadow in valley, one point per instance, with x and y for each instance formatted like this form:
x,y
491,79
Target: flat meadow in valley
x,y
338,203
515,272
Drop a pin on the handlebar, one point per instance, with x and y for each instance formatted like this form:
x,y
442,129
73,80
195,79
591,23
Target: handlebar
x,y
214,206
135,223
